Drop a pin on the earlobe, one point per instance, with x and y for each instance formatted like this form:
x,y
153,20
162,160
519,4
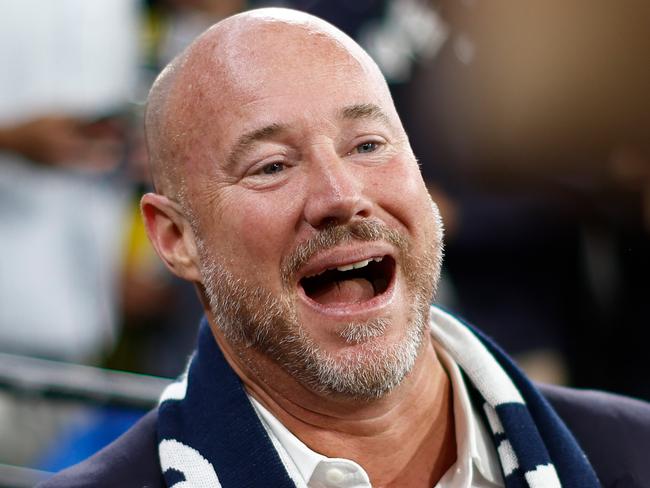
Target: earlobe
x,y
171,235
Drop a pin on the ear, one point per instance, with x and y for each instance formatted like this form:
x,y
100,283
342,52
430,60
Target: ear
x,y
171,235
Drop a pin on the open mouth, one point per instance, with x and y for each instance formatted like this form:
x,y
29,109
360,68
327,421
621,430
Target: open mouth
x,y
351,283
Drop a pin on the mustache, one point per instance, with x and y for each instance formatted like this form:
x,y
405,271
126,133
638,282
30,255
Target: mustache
x,y
336,235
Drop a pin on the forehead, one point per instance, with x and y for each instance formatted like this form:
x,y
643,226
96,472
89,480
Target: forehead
x,y
276,73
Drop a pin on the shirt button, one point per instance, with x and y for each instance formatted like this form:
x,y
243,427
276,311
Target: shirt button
x,y
334,475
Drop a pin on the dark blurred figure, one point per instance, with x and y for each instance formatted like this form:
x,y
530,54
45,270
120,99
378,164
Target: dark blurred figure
x,y
534,122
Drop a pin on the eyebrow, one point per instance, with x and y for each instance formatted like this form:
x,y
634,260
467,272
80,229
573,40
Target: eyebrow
x,y
247,140
364,111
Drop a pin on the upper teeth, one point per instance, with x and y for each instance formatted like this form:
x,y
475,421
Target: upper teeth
x,y
357,265
348,267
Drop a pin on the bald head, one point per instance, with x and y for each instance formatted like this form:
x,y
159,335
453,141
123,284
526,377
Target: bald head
x,y
235,57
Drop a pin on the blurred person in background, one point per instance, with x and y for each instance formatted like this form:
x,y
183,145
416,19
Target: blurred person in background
x,y
533,120
69,72
69,67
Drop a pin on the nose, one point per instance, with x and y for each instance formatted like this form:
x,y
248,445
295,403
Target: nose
x,y
336,193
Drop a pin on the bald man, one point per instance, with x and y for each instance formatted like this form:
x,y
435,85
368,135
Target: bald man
x,y
287,192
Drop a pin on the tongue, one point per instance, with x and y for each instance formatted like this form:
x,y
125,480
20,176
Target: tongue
x,y
355,290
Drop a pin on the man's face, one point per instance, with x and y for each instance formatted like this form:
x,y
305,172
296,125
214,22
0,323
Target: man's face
x,y
319,244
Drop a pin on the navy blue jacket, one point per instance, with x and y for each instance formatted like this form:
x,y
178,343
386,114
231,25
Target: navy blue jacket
x,y
614,432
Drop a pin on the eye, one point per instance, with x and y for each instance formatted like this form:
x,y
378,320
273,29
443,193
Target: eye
x,y
367,147
273,168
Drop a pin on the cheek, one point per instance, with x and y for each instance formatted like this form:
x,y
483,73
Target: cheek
x,y
399,189
258,228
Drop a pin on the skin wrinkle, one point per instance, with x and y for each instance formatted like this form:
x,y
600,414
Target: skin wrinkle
x,y
248,140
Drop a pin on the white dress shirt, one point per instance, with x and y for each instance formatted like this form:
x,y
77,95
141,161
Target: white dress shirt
x,y
476,465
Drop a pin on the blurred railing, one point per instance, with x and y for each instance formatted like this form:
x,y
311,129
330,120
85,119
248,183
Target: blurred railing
x,y
57,380
20,477
26,377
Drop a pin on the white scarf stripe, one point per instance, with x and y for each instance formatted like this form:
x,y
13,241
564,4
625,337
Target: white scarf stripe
x,y
543,477
493,419
198,471
174,391
472,356
508,457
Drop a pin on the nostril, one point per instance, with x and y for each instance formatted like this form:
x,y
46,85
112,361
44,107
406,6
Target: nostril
x,y
334,219
329,222
363,212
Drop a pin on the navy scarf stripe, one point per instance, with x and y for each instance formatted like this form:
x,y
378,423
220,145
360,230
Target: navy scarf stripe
x,y
523,435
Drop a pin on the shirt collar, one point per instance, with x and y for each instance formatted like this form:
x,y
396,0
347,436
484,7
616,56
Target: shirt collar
x,y
304,459
476,454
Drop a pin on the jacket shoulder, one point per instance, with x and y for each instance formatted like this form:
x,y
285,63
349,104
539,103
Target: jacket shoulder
x,y
129,461
613,430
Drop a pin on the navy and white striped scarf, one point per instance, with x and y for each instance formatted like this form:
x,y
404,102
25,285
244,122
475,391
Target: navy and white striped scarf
x,y
210,435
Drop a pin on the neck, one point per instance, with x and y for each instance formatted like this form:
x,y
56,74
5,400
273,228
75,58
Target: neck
x,y
405,438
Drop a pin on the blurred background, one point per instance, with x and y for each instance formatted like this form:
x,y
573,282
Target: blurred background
x,y
531,122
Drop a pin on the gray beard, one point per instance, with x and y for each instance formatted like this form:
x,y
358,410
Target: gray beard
x,y
252,317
